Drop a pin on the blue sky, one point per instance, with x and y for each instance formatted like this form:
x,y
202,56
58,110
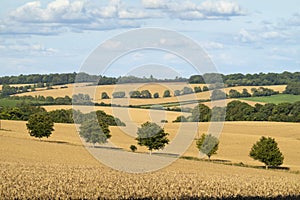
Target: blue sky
x,y
247,36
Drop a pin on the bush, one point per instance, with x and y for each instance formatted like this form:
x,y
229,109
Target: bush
x,y
133,148
118,94
167,93
104,95
156,95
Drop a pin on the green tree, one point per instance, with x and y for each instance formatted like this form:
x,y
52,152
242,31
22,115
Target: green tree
x,y
266,150
177,93
104,95
94,131
208,145
197,89
218,95
156,95
201,113
167,93
152,136
118,94
40,125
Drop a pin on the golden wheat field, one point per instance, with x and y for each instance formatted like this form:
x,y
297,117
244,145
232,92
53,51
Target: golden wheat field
x,y
60,167
95,92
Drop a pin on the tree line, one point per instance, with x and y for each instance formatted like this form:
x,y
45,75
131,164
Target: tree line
x,y
229,80
247,79
241,111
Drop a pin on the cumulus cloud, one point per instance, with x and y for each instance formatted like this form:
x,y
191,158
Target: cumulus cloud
x,y
188,10
20,47
65,15
59,16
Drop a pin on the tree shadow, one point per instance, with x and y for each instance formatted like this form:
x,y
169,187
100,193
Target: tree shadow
x,y
103,147
166,154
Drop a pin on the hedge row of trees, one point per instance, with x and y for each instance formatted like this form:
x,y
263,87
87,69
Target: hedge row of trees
x,y
247,79
147,94
241,111
261,91
23,112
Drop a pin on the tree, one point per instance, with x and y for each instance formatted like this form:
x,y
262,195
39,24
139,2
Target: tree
x,y
118,94
152,136
133,148
266,150
40,125
104,95
293,88
205,88
218,95
177,93
208,145
156,95
187,90
201,113
94,131
167,93
197,89
146,94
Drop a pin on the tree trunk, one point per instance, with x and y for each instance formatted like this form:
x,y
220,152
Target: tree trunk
x,y
150,152
267,167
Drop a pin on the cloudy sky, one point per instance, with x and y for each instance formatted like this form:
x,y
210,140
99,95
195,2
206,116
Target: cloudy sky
x,y
247,36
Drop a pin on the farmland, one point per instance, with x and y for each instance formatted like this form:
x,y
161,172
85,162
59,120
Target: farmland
x,y
281,98
64,169
95,92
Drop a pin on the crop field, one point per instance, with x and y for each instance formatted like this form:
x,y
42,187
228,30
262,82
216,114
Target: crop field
x,y
60,167
281,98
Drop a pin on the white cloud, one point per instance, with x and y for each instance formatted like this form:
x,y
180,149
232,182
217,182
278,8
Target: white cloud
x,y
20,47
212,45
188,10
245,36
271,35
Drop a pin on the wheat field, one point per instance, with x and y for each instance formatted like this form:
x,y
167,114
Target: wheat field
x,y
60,167
95,92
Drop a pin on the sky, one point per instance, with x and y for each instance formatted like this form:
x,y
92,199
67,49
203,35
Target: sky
x,y
58,36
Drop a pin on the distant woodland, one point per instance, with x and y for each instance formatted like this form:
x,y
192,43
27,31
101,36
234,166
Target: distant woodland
x,y
239,79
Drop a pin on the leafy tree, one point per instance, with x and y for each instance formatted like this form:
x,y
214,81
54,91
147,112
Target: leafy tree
x,y
104,95
118,94
239,111
266,150
152,136
218,95
196,79
146,94
94,131
201,113
234,94
167,93
135,94
208,145
156,95
197,89
245,93
205,88
187,90
40,125
177,93
133,148
293,88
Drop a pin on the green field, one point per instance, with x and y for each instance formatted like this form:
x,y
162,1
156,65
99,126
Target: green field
x,y
280,98
5,102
